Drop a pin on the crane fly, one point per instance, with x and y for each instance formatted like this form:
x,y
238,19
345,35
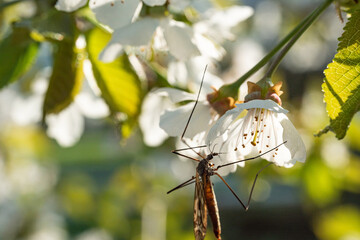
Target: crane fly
x,y
204,199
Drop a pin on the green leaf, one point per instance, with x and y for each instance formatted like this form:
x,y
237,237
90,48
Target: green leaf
x,y
53,26
342,79
17,53
118,82
67,75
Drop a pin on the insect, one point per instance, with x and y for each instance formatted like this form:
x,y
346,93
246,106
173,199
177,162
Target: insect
x,y
204,199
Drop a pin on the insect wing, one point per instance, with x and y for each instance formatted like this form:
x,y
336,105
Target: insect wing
x,y
200,210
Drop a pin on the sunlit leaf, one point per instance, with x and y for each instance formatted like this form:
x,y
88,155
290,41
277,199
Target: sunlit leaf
x,y
17,53
118,82
348,5
342,79
340,223
65,81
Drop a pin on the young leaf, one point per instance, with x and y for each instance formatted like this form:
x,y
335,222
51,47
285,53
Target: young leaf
x,y
17,53
118,82
342,79
67,75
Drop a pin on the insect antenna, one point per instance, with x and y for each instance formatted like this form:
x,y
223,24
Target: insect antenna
x,y
212,151
191,114
218,153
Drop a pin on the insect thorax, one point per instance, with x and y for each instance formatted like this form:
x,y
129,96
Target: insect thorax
x,y
205,166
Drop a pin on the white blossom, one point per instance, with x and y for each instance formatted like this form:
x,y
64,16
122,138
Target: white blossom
x,y
153,3
160,117
188,74
264,127
163,103
177,37
69,5
182,41
116,14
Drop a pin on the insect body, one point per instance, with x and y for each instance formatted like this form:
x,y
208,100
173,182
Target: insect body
x,y
205,200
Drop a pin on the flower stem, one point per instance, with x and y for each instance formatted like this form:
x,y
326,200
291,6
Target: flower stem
x,y
231,90
312,17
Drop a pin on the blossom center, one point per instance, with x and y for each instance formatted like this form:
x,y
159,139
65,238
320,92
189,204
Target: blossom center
x,y
257,130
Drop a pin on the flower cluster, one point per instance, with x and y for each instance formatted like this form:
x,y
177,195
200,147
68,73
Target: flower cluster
x,y
145,33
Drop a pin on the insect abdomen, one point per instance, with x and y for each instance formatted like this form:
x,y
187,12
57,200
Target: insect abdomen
x,y
212,207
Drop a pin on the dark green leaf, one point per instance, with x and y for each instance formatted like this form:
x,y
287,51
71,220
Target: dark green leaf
x,y
342,79
54,26
118,82
65,81
17,53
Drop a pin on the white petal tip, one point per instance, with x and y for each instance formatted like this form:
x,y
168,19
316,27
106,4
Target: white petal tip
x,y
69,5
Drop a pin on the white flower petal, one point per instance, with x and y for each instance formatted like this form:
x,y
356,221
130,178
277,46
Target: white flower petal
x,y
190,73
294,142
26,111
152,107
222,124
136,34
265,104
218,24
177,73
90,78
271,137
209,48
111,52
66,127
153,3
229,151
91,106
115,14
229,17
175,95
178,5
69,5
195,67
159,42
180,39
174,121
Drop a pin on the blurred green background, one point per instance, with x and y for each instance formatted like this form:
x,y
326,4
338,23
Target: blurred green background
x,y
107,188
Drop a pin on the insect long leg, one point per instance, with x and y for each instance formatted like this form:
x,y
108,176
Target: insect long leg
x,y
185,156
252,158
184,184
176,151
253,186
241,202
191,114
246,207
189,148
